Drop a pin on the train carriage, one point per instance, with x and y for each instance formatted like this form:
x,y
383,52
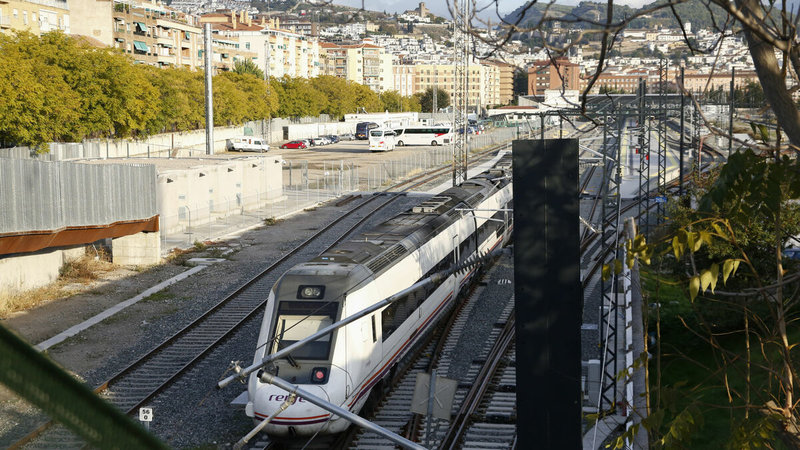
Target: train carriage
x,y
345,365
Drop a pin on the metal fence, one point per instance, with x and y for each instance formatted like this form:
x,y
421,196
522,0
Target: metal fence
x,y
162,145
45,195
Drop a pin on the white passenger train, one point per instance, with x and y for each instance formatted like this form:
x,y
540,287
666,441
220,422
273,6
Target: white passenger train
x,y
344,366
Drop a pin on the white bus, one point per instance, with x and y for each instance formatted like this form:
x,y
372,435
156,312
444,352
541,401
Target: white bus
x,y
436,135
381,140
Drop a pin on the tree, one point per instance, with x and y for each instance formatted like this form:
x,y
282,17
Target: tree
x,y
426,99
520,82
56,88
391,101
298,98
182,99
366,98
340,91
750,96
36,105
247,66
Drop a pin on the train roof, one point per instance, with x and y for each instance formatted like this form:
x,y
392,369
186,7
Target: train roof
x,y
380,247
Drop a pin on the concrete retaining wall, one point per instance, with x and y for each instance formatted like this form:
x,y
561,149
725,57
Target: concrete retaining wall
x,y
30,271
189,197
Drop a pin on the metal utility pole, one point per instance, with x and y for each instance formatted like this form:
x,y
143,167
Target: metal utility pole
x,y
435,107
461,38
614,124
209,91
662,139
644,157
266,79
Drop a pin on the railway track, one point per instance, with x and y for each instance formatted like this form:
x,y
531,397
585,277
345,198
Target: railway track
x,y
487,416
589,238
133,386
393,411
145,378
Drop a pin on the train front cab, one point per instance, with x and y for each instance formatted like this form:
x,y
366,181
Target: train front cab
x,y
303,305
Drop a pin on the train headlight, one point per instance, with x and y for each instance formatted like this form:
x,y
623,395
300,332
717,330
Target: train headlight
x,y
311,292
319,375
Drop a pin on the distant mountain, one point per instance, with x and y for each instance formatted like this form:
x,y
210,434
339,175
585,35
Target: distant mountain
x,y
695,12
532,14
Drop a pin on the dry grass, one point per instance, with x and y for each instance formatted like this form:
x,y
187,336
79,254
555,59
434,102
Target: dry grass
x,y
83,271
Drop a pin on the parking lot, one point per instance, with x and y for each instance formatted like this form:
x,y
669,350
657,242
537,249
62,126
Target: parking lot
x,y
356,152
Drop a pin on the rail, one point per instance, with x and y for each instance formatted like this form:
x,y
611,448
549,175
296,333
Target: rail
x,y
473,398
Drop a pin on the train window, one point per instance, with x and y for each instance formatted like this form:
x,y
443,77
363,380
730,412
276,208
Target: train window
x,y
439,267
298,320
395,314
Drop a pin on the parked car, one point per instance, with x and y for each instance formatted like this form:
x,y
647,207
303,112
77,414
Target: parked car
x,y
317,141
294,144
246,144
333,138
325,140
347,137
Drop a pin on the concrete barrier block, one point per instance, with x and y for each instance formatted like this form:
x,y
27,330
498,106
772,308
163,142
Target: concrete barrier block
x,y
141,249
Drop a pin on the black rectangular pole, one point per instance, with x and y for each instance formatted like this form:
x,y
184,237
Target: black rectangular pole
x,y
680,143
548,293
730,111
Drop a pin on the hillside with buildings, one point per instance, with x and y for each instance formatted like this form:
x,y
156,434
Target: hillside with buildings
x,y
406,53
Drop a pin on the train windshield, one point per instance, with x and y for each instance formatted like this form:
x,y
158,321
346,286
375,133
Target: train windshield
x,y
298,320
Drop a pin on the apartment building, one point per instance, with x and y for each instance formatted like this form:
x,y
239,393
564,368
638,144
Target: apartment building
x,y
618,82
490,84
698,82
548,74
483,83
35,16
506,82
154,34
226,31
366,64
289,54
295,25
92,19
292,54
403,75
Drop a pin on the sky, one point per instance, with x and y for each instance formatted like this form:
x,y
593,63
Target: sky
x,y
439,7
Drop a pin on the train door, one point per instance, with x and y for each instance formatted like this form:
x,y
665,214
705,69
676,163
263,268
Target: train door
x,y
508,218
371,339
456,258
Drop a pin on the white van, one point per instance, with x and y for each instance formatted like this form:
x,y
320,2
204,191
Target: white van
x,y
381,140
247,144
